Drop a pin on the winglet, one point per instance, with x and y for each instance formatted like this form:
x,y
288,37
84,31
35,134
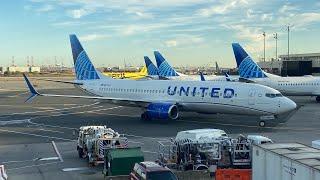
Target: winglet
x,y
227,76
33,91
202,77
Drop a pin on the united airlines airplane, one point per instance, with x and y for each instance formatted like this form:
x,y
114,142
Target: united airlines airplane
x,y
296,86
165,71
165,99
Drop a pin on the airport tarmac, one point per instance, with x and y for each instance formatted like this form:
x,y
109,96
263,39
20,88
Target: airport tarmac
x,y
27,130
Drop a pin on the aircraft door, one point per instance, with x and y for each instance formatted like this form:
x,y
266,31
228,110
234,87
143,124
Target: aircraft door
x,y
252,97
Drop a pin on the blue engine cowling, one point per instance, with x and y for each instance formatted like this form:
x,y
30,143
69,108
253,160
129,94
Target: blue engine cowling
x,y
162,111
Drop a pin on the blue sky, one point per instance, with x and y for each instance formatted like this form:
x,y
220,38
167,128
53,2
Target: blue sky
x,y
187,32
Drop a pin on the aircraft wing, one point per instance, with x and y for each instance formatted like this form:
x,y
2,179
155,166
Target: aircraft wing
x,y
134,102
246,80
59,81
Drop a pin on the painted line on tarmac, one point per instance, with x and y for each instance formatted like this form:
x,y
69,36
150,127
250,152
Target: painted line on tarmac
x,y
17,95
50,110
64,127
239,125
48,130
3,123
38,165
56,150
75,169
36,135
150,152
144,137
136,142
120,115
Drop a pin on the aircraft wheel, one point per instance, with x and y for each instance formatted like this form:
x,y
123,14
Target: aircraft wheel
x,y
262,123
144,117
80,152
318,98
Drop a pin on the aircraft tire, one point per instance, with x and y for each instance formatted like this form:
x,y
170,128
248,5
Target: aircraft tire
x,y
80,152
318,98
144,117
262,123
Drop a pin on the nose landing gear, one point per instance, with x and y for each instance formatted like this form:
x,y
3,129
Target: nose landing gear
x,y
262,123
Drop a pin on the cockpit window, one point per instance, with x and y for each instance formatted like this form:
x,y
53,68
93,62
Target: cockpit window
x,y
271,95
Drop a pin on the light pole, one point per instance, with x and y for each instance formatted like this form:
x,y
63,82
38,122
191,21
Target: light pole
x,y
264,46
275,36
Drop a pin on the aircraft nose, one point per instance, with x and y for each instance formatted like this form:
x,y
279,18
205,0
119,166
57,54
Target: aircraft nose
x,y
287,105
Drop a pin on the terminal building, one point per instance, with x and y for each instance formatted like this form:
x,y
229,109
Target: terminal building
x,y
295,65
20,69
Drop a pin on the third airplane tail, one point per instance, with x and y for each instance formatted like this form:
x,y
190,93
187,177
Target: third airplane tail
x,y
165,70
151,68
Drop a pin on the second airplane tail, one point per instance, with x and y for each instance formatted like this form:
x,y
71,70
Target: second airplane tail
x,y
246,66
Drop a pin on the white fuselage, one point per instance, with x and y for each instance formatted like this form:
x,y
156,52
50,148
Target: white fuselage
x,y
293,86
196,96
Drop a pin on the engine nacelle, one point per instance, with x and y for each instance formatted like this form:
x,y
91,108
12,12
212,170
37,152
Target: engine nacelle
x,y
162,111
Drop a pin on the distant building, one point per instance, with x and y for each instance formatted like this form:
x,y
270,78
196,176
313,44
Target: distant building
x,y
34,69
296,65
273,66
301,64
21,69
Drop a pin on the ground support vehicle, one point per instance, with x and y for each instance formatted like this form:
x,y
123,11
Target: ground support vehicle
x,y
120,161
93,140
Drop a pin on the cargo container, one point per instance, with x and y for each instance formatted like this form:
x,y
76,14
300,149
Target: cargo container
x,y
285,161
233,174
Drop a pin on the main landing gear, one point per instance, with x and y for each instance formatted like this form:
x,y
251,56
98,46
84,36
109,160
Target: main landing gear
x,y
145,117
318,98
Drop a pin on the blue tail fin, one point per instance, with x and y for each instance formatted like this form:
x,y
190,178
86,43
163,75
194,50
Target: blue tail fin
x,y
246,66
84,68
164,69
151,68
202,77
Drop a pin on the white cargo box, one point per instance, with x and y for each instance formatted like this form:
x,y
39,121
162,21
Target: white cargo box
x,y
285,161
200,134
316,144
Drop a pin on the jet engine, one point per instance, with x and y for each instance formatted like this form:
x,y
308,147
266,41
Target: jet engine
x,y
162,111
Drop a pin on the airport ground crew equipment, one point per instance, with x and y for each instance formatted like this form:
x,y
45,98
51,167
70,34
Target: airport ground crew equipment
x,y
121,161
207,151
93,140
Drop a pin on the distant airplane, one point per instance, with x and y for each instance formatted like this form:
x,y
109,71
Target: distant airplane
x,y
296,86
163,99
128,75
167,71
152,70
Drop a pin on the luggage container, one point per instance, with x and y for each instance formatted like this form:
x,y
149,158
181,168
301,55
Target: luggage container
x,y
233,174
285,161
121,161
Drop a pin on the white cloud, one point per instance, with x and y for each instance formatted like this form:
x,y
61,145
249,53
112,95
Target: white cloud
x,y
45,8
184,40
287,8
171,43
267,17
93,37
78,13
223,8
